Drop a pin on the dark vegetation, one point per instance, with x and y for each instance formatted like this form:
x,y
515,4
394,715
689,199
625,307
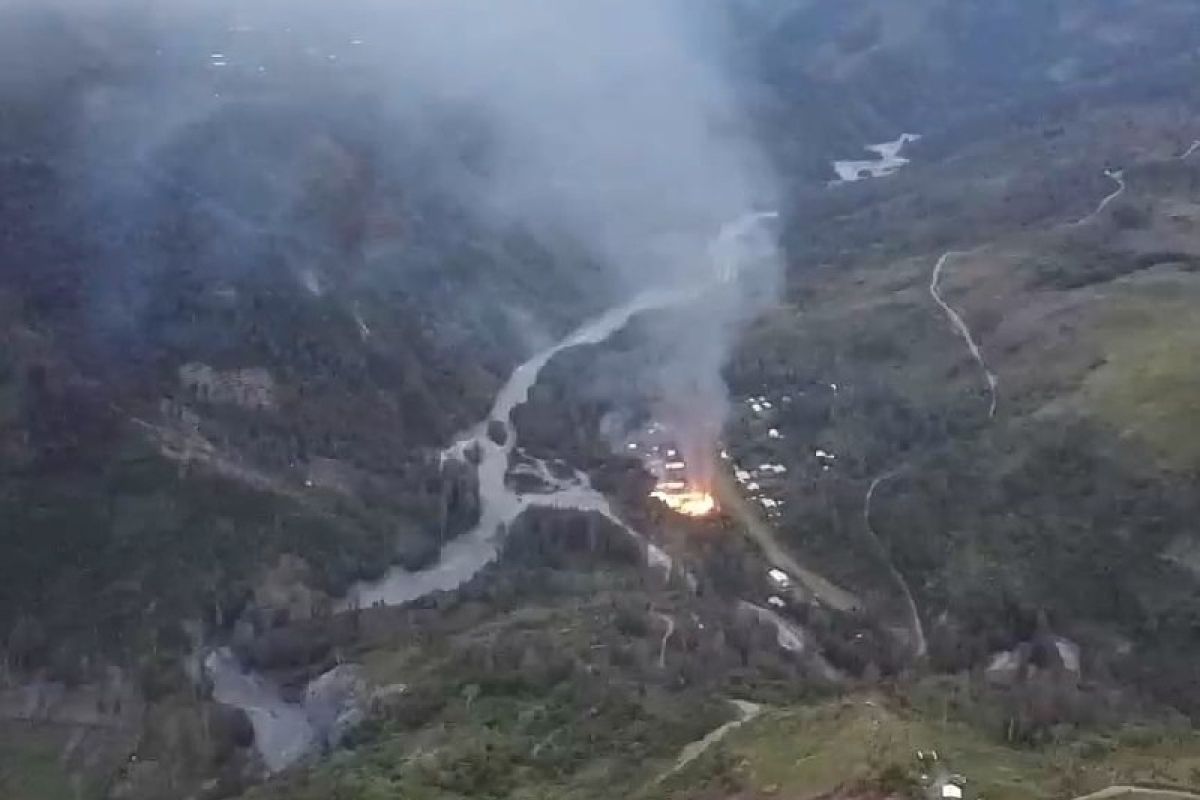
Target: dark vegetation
x,y
955,71
384,315
378,312
543,673
1010,533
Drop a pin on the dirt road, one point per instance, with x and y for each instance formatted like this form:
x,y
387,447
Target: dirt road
x,y
669,622
960,325
1139,792
747,711
1115,175
920,645
824,590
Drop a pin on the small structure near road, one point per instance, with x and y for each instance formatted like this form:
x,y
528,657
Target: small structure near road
x,y
939,782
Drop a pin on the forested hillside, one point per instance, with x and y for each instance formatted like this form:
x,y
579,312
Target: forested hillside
x,y
231,335
254,312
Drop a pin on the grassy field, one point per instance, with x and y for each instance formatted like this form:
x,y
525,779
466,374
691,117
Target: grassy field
x,y
1149,387
811,751
29,764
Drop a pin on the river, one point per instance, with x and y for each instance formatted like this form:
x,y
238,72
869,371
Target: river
x,y
889,160
283,731
499,503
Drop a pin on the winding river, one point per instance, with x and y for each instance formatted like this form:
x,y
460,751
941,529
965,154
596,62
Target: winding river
x,y
284,732
889,160
500,504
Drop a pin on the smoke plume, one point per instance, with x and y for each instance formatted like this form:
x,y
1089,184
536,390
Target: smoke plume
x,y
616,125
611,125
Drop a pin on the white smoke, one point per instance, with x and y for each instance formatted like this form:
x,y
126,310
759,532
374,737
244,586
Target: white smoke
x,y
615,124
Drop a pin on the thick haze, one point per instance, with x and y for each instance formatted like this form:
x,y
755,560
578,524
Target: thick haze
x,y
615,125
610,125
611,121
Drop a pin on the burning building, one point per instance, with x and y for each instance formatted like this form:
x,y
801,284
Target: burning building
x,y
678,484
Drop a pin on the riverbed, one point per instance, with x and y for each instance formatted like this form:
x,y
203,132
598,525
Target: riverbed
x,y
888,160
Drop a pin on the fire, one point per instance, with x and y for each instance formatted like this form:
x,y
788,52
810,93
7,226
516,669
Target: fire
x,y
678,484
693,503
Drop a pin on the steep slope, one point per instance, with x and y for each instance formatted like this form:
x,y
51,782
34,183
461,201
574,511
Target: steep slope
x,y
236,338
228,338
831,77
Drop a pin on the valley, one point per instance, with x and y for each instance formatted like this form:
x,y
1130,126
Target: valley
x,y
329,471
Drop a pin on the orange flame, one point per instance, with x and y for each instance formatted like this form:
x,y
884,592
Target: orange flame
x,y
693,503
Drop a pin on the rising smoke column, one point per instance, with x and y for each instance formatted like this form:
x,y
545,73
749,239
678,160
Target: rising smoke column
x,y
615,124
692,396
611,124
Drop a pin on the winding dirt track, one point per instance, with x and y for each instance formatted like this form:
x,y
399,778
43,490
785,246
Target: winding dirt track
x,y
960,325
669,621
920,645
1139,791
747,711
1119,177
